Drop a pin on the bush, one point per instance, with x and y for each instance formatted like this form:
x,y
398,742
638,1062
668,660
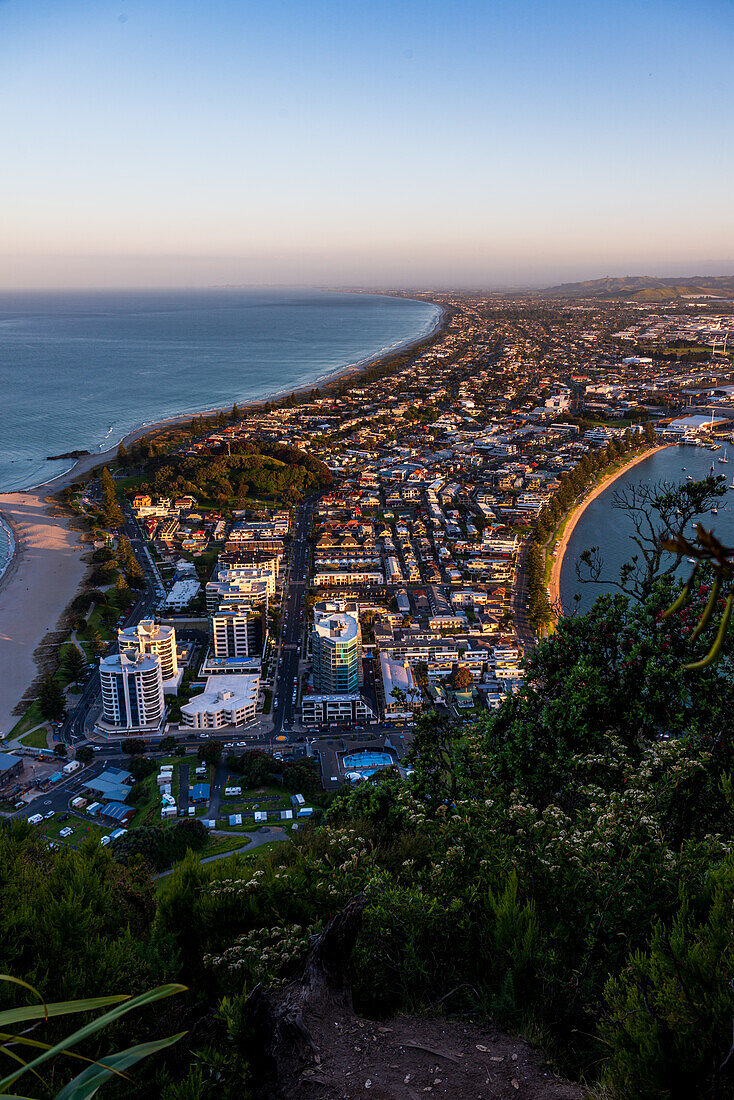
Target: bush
x,y
160,847
141,766
669,1020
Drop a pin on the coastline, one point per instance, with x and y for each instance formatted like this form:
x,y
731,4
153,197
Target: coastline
x,y
44,570
42,576
84,465
554,586
12,546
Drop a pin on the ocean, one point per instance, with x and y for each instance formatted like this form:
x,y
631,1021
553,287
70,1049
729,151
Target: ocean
x,y
79,370
608,528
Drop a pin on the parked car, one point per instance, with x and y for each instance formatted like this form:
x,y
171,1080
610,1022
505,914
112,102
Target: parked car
x,y
48,815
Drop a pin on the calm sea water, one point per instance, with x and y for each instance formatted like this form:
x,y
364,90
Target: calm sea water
x,y
80,370
606,527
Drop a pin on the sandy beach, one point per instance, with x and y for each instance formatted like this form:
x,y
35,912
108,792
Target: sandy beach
x,y
39,583
554,588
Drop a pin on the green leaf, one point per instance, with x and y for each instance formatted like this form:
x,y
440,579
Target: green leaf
x,y
60,1008
90,1079
94,1026
19,981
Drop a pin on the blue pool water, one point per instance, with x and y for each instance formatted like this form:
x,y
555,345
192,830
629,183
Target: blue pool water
x,y
361,760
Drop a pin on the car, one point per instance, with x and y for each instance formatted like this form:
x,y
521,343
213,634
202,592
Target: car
x,y
48,815
66,832
334,778
63,817
96,748
19,805
104,841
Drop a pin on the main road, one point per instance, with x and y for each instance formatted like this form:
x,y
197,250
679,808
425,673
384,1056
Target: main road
x,y
73,730
287,674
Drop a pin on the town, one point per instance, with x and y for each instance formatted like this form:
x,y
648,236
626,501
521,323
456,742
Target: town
x,y
304,578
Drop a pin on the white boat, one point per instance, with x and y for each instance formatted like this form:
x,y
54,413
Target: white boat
x,y
724,457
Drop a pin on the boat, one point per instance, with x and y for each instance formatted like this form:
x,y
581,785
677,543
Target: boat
x,y
714,511
724,457
691,560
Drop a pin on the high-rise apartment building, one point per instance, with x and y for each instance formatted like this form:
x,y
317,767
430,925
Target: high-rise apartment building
x,y
132,692
150,638
337,654
238,632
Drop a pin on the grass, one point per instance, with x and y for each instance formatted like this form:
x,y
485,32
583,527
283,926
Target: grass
x,y
36,739
31,718
215,845
83,830
125,484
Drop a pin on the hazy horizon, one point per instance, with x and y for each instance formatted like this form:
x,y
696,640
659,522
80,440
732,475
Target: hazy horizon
x,y
418,145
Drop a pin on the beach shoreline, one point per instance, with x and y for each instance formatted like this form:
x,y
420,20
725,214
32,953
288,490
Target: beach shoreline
x,y
554,586
41,579
87,463
44,571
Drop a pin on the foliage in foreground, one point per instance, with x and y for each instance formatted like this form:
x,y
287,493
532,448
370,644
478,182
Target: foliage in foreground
x,y
97,1070
563,867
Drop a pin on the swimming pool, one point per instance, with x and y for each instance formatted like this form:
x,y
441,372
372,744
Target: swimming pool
x,y
362,760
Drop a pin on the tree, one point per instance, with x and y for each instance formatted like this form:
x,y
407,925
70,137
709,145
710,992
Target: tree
x,y
132,746
167,744
657,512
51,699
210,753
235,414
112,512
435,754
74,664
85,754
122,456
461,678
60,749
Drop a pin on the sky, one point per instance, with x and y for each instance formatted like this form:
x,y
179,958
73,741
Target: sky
x,y
364,142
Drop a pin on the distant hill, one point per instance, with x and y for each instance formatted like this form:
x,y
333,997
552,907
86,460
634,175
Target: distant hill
x,y
645,288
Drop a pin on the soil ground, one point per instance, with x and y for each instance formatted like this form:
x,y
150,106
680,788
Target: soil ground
x,y
415,1059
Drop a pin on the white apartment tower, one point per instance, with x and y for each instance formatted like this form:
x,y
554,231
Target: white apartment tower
x,y
132,692
150,638
237,633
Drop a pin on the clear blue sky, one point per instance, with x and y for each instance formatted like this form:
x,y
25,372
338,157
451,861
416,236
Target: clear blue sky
x,y
191,142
